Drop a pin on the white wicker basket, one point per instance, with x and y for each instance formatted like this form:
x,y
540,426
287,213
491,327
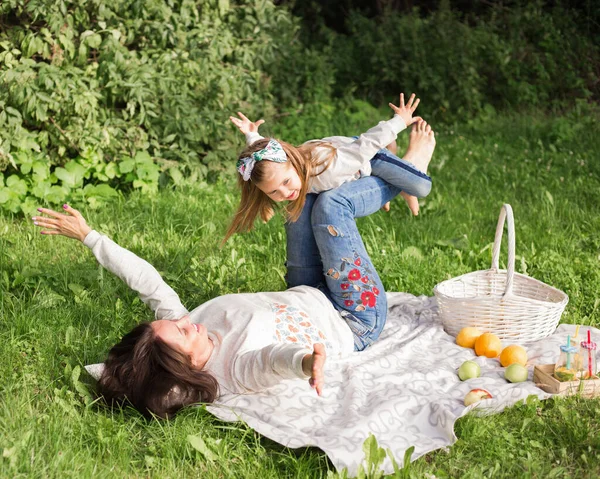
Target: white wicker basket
x,y
513,306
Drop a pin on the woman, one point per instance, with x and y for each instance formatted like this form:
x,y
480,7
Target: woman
x,y
246,342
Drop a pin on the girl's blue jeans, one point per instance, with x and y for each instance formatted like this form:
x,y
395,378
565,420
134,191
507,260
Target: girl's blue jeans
x,y
325,250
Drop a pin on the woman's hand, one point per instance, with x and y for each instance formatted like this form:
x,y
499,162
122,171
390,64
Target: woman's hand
x,y
246,126
71,225
314,365
406,111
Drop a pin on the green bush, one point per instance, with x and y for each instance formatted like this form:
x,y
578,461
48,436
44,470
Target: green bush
x,y
93,92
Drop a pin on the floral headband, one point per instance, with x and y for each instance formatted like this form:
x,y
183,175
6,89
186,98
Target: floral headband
x,y
272,152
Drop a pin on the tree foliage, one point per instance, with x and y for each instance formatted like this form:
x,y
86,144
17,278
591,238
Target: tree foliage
x,y
532,54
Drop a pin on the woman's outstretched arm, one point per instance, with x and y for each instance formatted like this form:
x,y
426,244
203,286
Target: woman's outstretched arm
x,y
138,274
264,368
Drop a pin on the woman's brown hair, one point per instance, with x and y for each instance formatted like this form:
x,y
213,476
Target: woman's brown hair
x,y
153,377
255,203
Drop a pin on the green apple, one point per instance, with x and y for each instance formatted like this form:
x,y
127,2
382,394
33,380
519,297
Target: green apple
x,y
469,370
516,373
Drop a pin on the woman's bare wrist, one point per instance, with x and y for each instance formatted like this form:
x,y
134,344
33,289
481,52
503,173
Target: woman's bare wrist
x,y
307,362
84,232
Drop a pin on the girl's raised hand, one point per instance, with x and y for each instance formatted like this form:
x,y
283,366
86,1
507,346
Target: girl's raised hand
x,y
245,125
71,225
406,111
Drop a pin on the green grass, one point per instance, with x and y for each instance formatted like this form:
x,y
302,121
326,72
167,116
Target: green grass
x,y
59,310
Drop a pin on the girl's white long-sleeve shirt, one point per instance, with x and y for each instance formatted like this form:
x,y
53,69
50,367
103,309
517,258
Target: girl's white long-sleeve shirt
x,y
352,159
259,338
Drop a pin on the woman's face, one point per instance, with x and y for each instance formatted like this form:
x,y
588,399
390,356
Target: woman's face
x,y
281,182
186,337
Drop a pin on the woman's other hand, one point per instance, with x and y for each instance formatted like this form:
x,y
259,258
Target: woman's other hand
x,y
245,125
406,111
314,364
71,225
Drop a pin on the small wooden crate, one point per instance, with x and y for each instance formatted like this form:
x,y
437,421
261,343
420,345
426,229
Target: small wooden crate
x,y
543,378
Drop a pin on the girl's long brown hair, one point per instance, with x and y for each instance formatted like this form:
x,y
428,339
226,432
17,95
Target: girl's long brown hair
x,y
147,373
254,202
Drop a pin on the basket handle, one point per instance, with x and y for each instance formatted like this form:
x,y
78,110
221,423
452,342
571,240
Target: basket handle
x,y
505,213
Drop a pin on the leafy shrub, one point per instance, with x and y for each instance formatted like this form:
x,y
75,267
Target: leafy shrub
x,y
87,87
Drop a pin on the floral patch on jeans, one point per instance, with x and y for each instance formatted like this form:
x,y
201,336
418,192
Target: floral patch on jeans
x,y
354,277
294,326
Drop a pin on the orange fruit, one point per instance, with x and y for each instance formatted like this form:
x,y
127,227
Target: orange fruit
x,y
488,344
513,354
467,336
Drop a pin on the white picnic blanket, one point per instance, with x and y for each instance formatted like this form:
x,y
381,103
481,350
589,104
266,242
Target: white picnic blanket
x,y
403,389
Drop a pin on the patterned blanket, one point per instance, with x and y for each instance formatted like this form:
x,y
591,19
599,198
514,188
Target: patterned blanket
x,y
404,390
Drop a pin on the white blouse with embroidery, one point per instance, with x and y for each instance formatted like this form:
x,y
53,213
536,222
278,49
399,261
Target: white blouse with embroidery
x,y
259,338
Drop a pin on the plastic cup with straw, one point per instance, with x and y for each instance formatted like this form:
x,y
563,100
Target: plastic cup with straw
x,y
591,356
562,369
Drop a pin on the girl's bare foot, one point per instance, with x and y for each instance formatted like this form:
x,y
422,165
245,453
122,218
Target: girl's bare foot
x,y
412,202
420,146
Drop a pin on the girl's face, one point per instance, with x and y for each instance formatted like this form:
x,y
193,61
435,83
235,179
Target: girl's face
x,y
186,337
280,182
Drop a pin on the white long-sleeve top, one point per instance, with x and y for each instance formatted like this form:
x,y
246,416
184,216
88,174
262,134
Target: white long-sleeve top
x,y
259,338
352,159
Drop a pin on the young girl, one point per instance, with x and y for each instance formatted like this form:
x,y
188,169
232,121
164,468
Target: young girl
x,y
320,165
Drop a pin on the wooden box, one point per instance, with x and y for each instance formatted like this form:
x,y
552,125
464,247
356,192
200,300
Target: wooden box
x,y
544,379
